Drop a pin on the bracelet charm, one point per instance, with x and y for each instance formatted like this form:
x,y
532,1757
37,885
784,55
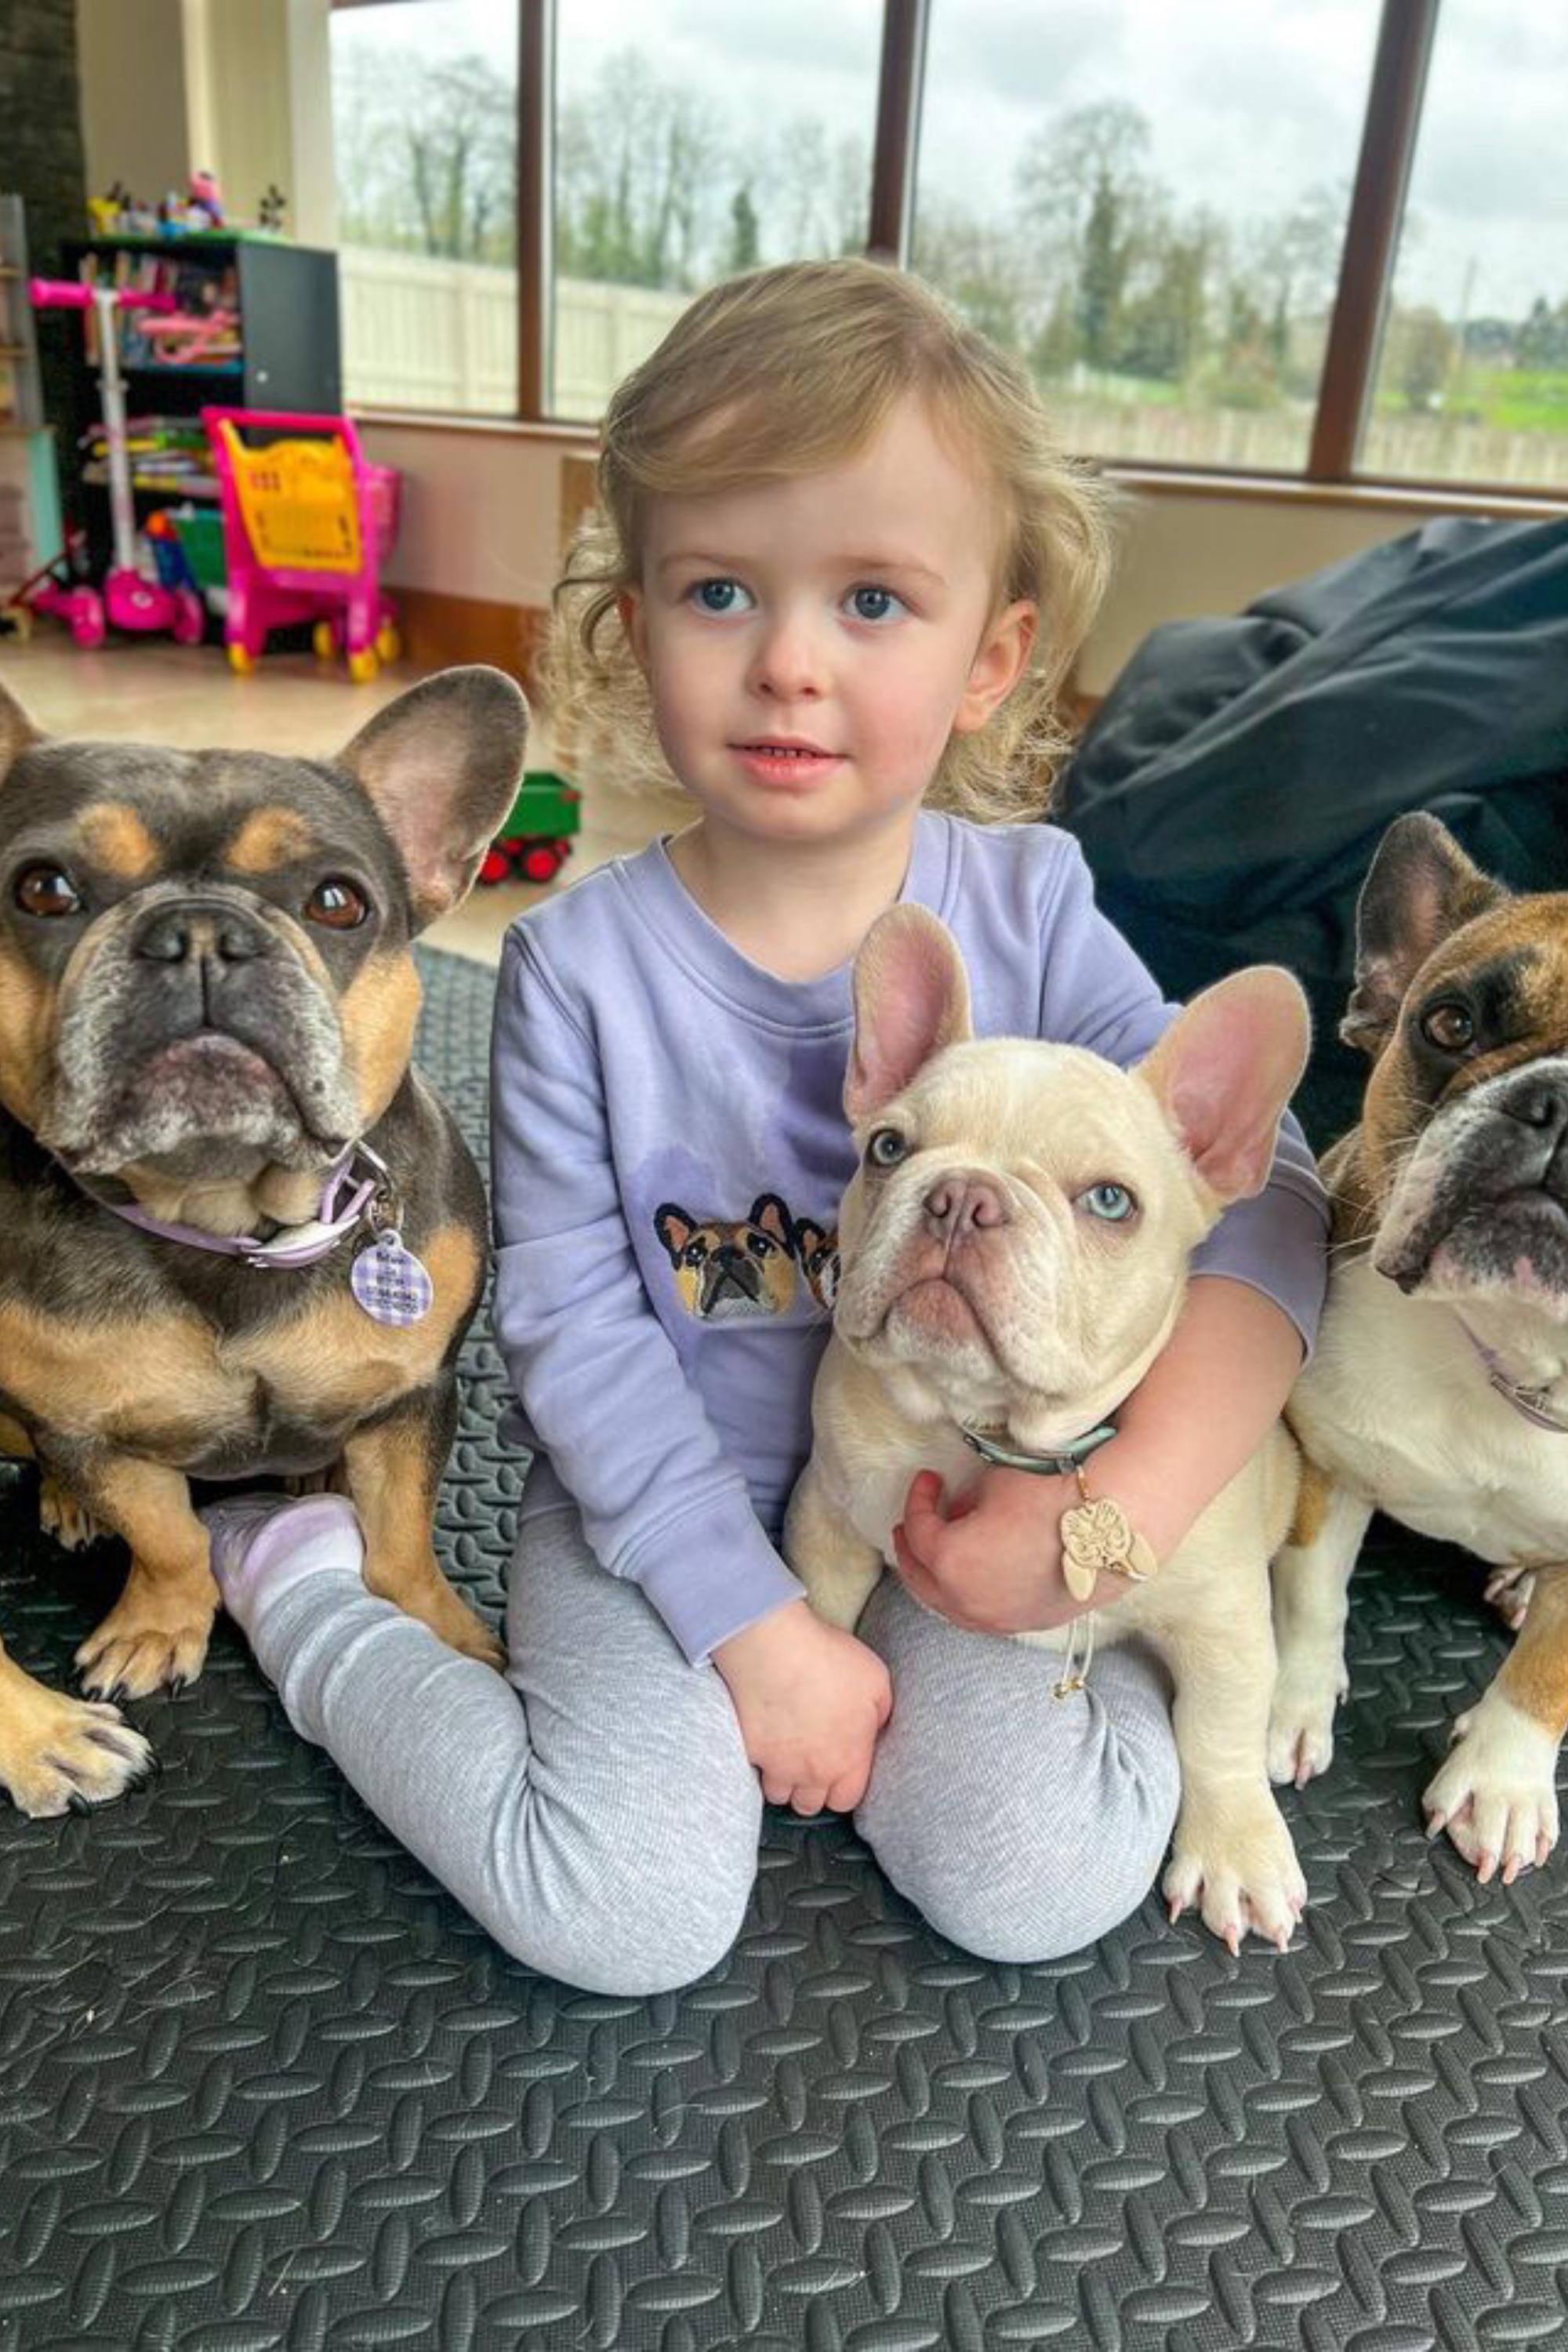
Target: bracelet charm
x,y
1097,1534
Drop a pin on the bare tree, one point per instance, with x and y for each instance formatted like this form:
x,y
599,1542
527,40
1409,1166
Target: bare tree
x,y
426,161
640,178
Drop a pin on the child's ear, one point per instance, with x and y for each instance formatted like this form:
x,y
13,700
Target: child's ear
x,y
1004,651
634,621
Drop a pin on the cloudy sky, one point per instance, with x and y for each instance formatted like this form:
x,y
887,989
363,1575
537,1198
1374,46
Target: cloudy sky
x,y
1251,103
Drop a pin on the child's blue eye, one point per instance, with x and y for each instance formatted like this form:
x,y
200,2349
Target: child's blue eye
x,y
874,603
1112,1202
718,595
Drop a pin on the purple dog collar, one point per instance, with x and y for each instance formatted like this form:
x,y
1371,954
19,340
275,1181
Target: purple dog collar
x,y
1528,1401
296,1244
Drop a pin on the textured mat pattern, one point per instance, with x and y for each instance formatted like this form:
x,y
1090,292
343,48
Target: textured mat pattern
x,y
262,2085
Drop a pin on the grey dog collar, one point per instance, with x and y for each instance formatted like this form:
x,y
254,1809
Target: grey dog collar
x,y
1060,1464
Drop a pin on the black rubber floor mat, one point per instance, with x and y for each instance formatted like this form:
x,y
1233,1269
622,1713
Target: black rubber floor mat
x,y
262,2085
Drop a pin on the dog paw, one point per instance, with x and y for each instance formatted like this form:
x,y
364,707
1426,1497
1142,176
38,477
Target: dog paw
x,y
461,1628
147,1641
1507,1591
1238,1869
62,1517
56,1753
1496,1795
1302,1723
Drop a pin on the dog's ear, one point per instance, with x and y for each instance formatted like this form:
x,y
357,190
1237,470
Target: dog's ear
x,y
1420,887
674,1228
1225,1070
17,731
911,998
771,1216
441,766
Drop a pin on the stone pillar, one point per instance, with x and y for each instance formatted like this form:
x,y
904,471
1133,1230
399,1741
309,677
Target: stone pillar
x,y
41,150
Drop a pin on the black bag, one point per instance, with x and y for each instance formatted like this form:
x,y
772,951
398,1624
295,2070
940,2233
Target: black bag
x,y
1232,788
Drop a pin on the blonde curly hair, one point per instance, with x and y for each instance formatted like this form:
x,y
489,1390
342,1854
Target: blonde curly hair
x,y
783,371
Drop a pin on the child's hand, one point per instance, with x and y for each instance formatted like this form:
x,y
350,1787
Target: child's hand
x,y
993,1563
811,1701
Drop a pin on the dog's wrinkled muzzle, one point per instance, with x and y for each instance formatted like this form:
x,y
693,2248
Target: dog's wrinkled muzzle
x,y
1488,1188
190,1023
943,1261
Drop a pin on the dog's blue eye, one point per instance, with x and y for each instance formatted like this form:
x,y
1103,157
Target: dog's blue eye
x,y
1113,1202
887,1148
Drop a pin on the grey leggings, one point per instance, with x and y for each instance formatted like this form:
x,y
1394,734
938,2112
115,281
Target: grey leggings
x,y
596,1811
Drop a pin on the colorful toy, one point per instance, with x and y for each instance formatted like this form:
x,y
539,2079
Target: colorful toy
x,y
535,842
307,521
56,587
130,600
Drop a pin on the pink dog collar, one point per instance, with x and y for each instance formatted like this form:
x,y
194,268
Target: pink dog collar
x,y
1530,1402
296,1244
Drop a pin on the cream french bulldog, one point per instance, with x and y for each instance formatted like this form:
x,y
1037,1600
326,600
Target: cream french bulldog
x,y
1016,1243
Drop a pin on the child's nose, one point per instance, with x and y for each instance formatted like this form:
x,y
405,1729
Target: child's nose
x,y
789,661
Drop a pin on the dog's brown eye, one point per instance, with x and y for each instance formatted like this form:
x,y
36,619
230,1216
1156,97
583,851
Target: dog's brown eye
x,y
46,890
887,1148
1448,1026
337,904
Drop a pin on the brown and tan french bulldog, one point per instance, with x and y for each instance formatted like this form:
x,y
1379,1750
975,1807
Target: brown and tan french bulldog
x,y
1439,1389
208,1003
1014,1247
727,1269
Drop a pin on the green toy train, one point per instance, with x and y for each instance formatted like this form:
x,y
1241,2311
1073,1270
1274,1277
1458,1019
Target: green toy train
x,y
535,840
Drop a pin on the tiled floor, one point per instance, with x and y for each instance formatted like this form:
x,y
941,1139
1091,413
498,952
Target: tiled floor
x,y
152,692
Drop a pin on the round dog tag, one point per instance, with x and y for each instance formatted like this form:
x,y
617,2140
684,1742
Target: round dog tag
x,y
389,1281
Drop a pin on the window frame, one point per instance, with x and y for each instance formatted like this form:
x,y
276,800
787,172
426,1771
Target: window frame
x,y
1390,127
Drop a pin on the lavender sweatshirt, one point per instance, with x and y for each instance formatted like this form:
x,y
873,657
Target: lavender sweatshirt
x,y
668,1152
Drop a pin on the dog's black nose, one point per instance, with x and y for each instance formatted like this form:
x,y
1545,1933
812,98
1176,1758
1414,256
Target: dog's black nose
x,y
1536,1100
200,927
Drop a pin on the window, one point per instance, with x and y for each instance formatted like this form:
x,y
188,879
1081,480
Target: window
x,y
425,117
692,141
1472,376
1187,220
1148,204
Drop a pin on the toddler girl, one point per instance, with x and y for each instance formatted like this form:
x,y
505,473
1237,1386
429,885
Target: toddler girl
x,y
840,571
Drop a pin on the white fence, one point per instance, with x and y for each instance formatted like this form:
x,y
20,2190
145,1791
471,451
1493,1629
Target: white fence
x,y
443,335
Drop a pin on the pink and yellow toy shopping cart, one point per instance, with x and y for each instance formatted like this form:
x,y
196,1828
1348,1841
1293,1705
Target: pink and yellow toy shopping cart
x,y
307,520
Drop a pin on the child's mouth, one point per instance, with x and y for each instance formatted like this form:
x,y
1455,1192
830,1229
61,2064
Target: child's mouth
x,y
785,763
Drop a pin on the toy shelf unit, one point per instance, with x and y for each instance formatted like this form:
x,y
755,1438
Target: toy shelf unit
x,y
247,321
32,538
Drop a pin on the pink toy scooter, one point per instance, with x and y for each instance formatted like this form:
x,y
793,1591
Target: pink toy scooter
x,y
131,602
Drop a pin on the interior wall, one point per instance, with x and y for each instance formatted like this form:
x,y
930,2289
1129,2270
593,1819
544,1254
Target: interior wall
x,y
1187,554
482,519
131,63
259,99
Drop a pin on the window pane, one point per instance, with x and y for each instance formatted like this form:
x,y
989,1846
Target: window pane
x,y
1147,202
692,141
1472,379
425,149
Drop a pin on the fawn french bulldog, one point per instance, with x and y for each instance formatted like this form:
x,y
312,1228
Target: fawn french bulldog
x,y
1014,1247
1439,1390
240,1236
